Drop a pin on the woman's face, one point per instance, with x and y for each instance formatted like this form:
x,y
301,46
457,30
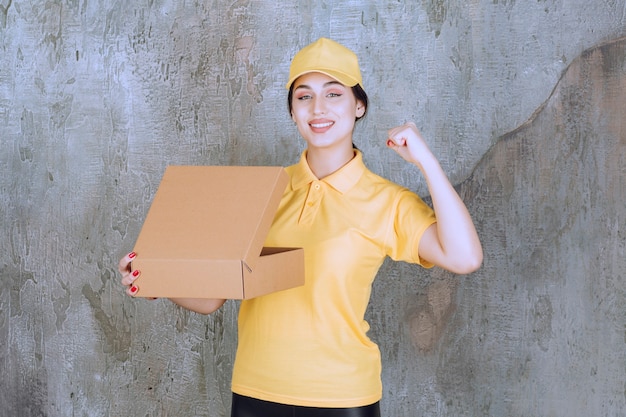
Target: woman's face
x,y
324,110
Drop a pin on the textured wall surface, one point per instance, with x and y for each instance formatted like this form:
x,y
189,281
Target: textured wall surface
x,y
524,103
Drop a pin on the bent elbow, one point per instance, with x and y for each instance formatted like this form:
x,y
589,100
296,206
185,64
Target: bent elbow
x,y
463,264
204,306
471,263
211,306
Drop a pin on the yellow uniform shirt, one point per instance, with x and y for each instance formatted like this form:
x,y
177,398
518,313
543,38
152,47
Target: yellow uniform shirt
x,y
308,346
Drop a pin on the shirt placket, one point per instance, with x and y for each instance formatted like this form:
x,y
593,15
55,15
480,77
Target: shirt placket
x,y
312,203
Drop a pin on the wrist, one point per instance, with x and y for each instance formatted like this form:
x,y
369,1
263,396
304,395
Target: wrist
x,y
426,162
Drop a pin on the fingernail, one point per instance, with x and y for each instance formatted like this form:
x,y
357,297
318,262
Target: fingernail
x,y
133,289
132,255
135,273
389,142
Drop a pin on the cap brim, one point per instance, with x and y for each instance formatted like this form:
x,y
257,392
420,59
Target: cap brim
x,y
344,79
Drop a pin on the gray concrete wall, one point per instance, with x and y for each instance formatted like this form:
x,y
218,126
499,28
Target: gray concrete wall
x,y
524,103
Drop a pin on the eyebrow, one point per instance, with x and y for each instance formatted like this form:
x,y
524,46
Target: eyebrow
x,y
329,83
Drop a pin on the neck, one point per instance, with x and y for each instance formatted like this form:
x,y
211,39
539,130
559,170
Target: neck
x,y
324,162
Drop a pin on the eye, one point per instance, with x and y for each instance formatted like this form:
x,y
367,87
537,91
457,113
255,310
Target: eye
x,y
303,97
334,94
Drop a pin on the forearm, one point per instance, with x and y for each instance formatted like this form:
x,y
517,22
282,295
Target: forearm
x,y
199,305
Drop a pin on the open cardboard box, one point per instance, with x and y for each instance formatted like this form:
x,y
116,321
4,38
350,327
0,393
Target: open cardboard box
x,y
204,232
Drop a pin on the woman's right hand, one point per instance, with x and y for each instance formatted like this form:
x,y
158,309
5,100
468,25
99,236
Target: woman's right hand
x,y
199,305
128,275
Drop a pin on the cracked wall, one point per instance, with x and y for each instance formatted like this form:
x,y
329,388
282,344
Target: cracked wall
x,y
523,102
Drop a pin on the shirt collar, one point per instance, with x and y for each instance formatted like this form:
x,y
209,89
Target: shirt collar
x,y
342,180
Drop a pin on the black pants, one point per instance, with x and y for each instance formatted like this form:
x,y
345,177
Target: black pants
x,y
251,407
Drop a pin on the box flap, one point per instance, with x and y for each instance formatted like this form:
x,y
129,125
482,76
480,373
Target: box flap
x,y
212,213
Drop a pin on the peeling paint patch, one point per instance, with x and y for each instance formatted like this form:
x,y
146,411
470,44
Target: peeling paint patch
x,y
117,336
437,12
61,304
428,320
541,316
4,10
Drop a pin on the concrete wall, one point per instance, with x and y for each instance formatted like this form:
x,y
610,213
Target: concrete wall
x,y
524,103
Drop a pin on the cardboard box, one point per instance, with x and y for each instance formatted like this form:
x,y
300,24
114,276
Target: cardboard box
x,y
204,233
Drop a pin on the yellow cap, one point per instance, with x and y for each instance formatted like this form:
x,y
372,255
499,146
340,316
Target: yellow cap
x,y
328,57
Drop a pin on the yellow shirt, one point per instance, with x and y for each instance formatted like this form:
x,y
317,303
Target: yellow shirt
x,y
308,346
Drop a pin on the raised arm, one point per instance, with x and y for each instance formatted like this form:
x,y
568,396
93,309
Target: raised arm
x,y
199,305
452,242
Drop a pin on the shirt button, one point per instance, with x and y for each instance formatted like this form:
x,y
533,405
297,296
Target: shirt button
x,y
317,186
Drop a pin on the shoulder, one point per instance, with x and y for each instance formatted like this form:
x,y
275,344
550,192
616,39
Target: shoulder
x,y
373,181
396,197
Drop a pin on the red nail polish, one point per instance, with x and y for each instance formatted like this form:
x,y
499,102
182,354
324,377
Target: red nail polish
x,y
133,289
135,273
132,255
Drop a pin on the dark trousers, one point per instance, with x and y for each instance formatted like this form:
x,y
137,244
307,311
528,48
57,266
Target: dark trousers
x,y
251,407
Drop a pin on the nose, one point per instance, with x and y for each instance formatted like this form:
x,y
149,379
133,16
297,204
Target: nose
x,y
319,107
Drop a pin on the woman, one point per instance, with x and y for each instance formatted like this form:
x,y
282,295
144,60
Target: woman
x,y
305,351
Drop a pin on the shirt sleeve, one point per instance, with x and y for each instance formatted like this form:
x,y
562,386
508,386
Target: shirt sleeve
x,y
411,217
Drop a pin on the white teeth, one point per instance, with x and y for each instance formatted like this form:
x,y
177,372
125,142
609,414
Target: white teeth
x,y
321,125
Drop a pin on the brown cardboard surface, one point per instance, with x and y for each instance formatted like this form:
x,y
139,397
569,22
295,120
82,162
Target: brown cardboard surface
x,y
204,233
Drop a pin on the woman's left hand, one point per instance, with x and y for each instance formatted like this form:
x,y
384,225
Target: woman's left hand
x,y
408,142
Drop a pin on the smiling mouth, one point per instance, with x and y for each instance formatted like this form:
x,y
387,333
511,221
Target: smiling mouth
x,y
321,125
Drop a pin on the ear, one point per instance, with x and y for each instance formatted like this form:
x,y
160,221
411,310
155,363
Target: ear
x,y
360,109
